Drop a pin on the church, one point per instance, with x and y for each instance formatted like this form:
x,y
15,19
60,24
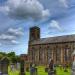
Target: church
x,y
58,48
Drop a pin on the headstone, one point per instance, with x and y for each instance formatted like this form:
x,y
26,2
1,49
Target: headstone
x,y
73,64
18,66
22,68
4,62
36,71
27,69
33,69
65,68
46,69
12,67
0,73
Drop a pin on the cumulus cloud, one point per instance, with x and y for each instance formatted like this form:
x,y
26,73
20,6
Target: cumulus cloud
x,y
14,42
12,36
7,37
25,9
0,44
64,3
17,32
55,24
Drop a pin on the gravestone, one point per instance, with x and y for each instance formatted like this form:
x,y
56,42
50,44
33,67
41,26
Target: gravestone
x,y
33,69
12,67
46,69
22,67
27,65
4,62
27,69
73,63
18,66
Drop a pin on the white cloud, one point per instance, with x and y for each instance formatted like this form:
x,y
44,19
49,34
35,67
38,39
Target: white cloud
x,y
64,3
7,37
45,13
17,31
14,42
24,9
4,9
11,36
55,24
0,44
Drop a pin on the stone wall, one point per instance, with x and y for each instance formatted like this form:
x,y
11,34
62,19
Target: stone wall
x,y
59,52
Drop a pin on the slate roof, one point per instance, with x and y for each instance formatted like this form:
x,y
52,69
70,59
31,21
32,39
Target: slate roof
x,y
58,39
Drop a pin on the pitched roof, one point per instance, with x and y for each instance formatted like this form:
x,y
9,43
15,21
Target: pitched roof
x,y
65,38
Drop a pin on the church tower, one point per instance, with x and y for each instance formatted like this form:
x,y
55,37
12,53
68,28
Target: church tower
x,y
34,33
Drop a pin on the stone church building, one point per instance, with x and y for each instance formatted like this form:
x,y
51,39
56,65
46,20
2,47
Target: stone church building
x,y
59,48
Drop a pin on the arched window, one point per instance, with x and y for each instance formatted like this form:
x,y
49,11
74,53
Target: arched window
x,y
49,54
58,55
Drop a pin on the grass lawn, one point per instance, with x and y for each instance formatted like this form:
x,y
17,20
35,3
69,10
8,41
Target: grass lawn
x,y
61,72
13,72
41,71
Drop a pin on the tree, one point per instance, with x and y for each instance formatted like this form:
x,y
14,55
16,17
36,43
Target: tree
x,y
1,56
12,56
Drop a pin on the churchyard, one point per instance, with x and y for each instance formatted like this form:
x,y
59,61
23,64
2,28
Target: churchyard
x,y
21,68
41,71
17,69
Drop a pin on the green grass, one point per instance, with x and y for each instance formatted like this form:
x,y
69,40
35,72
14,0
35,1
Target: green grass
x,y
13,72
41,71
61,72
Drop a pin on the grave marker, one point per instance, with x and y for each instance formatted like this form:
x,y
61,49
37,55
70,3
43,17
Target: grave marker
x,y
22,68
4,62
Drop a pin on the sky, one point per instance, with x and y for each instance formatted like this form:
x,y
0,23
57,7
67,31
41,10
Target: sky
x,y
54,17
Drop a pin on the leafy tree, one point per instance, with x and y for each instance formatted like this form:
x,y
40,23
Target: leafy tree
x,y
1,56
12,56
3,53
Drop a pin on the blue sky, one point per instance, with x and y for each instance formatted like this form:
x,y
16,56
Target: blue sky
x,y
54,17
